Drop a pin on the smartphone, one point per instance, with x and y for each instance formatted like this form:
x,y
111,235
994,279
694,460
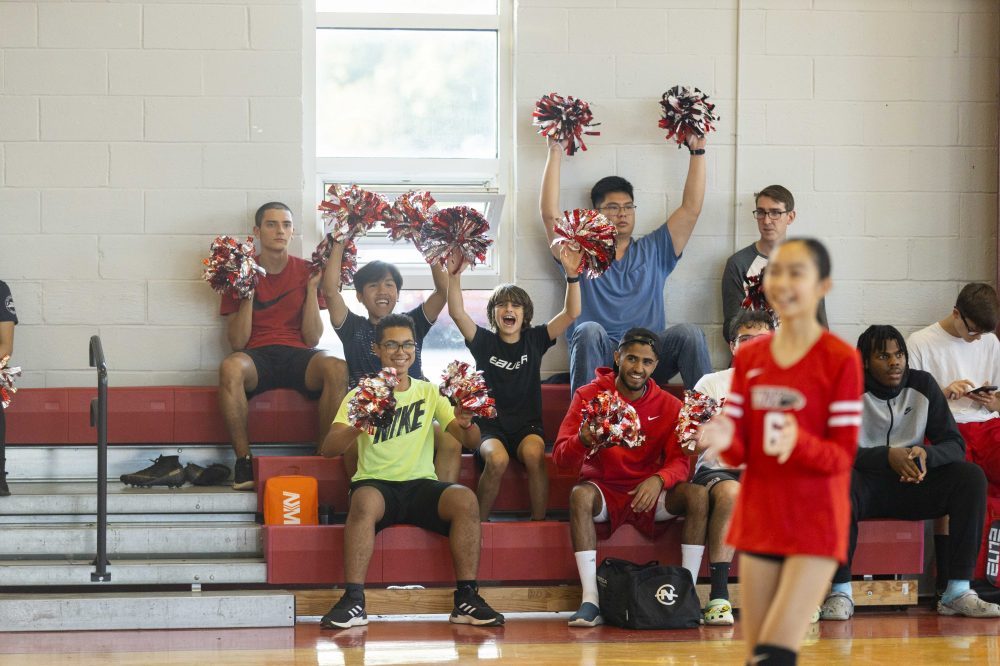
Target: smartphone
x,y
984,389
919,463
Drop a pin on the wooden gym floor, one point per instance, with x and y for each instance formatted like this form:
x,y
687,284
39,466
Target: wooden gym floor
x,y
913,637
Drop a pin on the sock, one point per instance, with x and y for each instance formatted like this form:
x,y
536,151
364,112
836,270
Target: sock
x,y
773,655
720,580
355,591
942,553
955,589
691,559
843,588
466,586
586,565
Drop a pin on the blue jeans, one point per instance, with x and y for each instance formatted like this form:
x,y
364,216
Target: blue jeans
x,y
682,349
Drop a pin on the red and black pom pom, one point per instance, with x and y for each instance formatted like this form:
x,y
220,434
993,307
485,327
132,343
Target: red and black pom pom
x,y
374,404
232,267
564,120
591,232
466,387
686,113
612,422
457,229
408,215
351,211
698,408
7,376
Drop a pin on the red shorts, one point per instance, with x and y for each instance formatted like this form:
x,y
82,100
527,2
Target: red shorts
x,y
618,509
982,447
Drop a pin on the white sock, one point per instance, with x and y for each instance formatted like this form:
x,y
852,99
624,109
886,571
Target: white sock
x,y
691,559
586,564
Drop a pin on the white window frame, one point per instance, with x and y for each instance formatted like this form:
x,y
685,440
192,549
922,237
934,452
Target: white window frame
x,y
480,180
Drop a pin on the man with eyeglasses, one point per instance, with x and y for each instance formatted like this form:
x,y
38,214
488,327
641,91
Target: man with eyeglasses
x,y
630,293
774,210
963,354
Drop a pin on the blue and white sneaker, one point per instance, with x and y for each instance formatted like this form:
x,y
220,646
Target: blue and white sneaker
x,y
345,613
589,615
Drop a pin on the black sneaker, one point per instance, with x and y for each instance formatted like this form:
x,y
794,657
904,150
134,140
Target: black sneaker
x,y
165,471
345,613
4,490
243,474
470,608
212,475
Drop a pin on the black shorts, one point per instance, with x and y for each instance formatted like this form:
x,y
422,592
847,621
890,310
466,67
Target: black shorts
x,y
710,477
770,557
511,439
410,503
280,366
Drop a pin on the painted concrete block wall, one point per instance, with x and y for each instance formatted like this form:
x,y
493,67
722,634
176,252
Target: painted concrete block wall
x,y
131,133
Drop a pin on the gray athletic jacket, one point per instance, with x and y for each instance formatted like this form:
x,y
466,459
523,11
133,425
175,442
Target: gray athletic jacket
x,y
905,416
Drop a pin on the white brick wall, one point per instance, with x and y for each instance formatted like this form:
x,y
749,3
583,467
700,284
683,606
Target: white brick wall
x,y
133,132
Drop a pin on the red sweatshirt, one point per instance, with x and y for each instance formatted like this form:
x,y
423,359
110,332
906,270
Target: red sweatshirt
x,y
620,467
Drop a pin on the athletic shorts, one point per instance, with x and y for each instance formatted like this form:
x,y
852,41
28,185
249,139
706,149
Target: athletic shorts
x,y
410,503
770,557
617,509
710,477
280,366
511,439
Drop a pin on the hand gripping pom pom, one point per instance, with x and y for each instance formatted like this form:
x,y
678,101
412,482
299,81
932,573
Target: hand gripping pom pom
x,y
373,406
564,119
698,408
7,375
466,388
755,299
592,233
408,214
348,263
612,421
232,268
351,212
686,113
458,229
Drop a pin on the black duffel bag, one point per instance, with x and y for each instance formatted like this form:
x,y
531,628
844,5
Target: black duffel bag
x,y
647,596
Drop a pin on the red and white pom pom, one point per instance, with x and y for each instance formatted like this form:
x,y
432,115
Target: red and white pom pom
x,y
564,119
232,267
755,299
698,408
374,404
408,214
467,388
591,232
612,421
7,375
457,229
349,212
348,263
686,113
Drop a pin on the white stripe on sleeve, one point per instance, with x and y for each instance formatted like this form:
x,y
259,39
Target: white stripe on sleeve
x,y
733,411
846,406
844,421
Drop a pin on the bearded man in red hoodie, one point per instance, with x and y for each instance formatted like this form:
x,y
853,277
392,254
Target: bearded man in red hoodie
x,y
618,484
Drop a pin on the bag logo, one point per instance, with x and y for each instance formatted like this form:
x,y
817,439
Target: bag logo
x,y
291,504
666,595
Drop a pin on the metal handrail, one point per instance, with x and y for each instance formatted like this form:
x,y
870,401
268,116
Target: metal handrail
x,y
99,420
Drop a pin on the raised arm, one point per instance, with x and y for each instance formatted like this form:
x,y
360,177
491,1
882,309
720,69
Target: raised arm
x,y
335,305
456,303
239,323
6,338
570,260
436,301
681,222
312,322
549,200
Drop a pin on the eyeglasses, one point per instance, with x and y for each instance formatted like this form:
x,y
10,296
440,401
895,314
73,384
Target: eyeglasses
x,y
968,328
773,214
393,346
614,209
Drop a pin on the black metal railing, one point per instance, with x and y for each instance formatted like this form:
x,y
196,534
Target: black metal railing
x,y
99,420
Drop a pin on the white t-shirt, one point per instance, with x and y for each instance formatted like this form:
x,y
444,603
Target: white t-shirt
x,y
949,358
714,385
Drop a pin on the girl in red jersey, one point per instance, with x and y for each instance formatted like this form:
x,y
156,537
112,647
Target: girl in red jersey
x,y
792,416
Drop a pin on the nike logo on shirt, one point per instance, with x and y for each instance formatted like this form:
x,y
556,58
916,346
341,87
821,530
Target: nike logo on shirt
x,y
263,305
653,418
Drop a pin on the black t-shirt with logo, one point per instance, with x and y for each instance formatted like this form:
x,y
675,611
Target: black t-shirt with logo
x,y
513,374
7,311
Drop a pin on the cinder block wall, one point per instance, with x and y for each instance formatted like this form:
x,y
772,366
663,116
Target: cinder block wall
x,y
131,133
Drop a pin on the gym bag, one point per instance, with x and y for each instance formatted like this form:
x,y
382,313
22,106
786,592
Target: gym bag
x,y
647,596
291,500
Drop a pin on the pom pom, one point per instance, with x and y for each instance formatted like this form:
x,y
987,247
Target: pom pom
x,y
7,376
467,388
591,232
686,113
348,263
458,229
232,268
351,212
408,214
698,408
755,299
564,119
374,405
612,421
